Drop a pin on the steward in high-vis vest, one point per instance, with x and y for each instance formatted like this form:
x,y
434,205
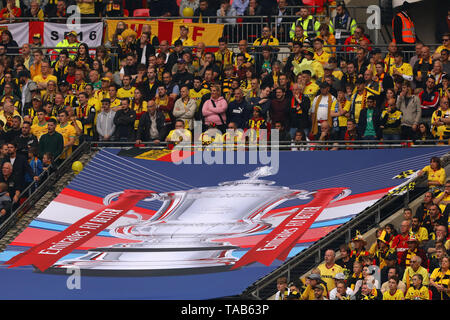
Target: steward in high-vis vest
x,y
70,43
403,32
342,25
309,24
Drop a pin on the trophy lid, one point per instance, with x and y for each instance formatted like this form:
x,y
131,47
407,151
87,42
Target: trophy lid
x,y
253,177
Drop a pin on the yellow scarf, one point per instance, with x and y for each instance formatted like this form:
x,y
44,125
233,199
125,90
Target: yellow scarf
x,y
316,107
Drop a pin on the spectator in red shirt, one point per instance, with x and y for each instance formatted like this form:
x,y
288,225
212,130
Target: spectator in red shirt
x,y
353,42
400,241
10,12
413,250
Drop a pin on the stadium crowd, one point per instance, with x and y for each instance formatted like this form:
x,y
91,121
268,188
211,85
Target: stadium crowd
x,y
407,261
332,85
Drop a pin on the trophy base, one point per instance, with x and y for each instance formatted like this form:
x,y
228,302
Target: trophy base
x,y
134,262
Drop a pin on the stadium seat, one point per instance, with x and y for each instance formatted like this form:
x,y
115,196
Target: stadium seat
x,y
141,13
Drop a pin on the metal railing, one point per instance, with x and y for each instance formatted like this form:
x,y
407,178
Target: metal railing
x,y
364,222
311,145
309,258
33,193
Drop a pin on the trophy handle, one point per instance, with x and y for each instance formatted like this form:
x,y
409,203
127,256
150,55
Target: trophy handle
x,y
305,195
110,197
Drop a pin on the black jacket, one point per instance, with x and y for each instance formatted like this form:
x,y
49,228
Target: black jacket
x,y
147,92
145,123
376,118
150,51
20,167
124,121
25,143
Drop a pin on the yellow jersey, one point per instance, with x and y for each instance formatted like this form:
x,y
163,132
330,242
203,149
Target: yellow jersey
x,y
435,175
323,57
404,69
125,93
417,294
67,131
39,130
398,295
327,274
311,90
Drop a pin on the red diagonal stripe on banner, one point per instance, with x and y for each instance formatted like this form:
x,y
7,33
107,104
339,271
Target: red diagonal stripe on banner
x,y
45,254
280,241
35,27
165,31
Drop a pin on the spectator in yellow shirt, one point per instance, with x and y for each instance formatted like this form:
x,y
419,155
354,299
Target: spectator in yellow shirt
x,y
393,293
417,291
329,269
436,174
184,37
35,68
126,91
445,45
320,54
40,128
443,198
401,68
44,77
67,131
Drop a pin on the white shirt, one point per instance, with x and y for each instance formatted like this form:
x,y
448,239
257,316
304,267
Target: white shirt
x,y
322,110
333,293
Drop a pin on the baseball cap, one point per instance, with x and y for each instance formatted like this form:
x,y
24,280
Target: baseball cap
x,y
37,35
63,83
314,276
319,286
339,276
72,33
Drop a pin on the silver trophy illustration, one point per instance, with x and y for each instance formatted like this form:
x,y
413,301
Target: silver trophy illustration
x,y
183,236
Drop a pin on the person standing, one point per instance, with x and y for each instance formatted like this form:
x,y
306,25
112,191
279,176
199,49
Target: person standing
x,y
410,107
185,107
391,121
105,121
52,141
403,31
214,109
124,121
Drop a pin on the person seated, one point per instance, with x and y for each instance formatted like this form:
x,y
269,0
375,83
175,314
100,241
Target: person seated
x,y
435,173
179,134
9,13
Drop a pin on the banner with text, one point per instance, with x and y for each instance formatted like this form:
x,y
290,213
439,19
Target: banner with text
x,y
53,33
170,30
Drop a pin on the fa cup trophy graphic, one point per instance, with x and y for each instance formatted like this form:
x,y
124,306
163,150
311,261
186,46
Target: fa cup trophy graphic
x,y
184,235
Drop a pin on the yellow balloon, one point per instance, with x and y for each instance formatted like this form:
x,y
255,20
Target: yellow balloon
x,y
188,12
77,166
